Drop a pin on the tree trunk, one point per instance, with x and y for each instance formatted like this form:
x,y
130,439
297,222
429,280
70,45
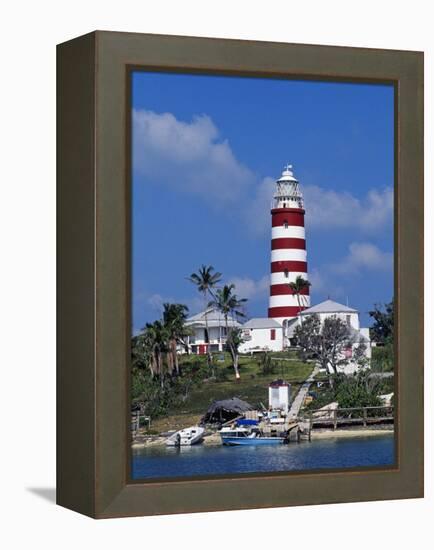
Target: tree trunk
x,y
237,372
232,351
169,359
299,307
160,368
332,375
153,364
175,361
208,353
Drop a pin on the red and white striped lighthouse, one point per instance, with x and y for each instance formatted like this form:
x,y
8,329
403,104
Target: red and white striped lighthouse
x,y
288,249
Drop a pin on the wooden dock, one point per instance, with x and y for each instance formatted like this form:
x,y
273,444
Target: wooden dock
x,y
362,416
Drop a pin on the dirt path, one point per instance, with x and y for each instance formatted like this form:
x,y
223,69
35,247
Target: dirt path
x,y
300,397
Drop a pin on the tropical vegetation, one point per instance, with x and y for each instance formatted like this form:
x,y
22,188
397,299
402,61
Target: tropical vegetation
x,y
383,327
358,390
184,399
382,332
297,287
206,280
228,303
327,343
162,376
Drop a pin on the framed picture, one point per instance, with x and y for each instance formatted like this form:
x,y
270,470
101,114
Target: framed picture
x,y
240,274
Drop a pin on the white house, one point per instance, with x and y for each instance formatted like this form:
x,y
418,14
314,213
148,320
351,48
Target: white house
x,y
261,334
348,315
267,334
213,337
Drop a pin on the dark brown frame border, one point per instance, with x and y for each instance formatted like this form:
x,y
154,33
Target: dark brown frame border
x,y
93,272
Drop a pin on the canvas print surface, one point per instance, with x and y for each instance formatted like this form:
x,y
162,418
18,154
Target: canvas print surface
x,y
262,276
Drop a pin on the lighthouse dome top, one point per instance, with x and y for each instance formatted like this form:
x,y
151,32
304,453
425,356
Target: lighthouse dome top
x,y
287,174
287,193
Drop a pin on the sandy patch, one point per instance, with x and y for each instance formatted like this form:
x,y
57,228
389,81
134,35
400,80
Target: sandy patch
x,y
149,442
327,434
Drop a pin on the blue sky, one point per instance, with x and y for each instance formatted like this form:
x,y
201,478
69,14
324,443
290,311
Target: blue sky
x,y
206,153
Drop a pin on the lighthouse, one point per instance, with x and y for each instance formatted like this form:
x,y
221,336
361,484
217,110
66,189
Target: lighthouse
x,y
288,249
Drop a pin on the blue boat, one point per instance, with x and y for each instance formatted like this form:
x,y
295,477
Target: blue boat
x,y
244,436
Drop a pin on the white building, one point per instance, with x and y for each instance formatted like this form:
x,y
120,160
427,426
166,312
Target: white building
x,y
266,334
348,315
279,395
209,332
261,334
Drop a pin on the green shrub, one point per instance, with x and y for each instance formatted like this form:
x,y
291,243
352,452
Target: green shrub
x,y
266,364
382,358
349,391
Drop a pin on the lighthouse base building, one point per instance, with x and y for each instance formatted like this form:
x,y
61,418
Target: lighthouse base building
x,y
265,334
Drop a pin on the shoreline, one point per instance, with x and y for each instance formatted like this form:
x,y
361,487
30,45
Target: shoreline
x,y
363,432
213,439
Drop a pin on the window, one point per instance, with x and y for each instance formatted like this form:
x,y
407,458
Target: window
x,y
285,224
286,273
273,334
348,320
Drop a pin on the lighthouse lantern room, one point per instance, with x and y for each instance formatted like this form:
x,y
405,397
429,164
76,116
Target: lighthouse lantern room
x,y
288,249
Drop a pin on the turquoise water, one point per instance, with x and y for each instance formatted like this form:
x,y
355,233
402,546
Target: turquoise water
x,y
199,460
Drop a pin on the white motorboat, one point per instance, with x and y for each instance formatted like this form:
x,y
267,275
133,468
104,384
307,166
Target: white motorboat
x,y
187,436
245,436
247,432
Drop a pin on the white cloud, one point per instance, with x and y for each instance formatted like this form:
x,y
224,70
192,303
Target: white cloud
x,y
257,212
362,257
325,208
328,209
188,156
325,284
331,279
245,287
156,302
317,280
191,157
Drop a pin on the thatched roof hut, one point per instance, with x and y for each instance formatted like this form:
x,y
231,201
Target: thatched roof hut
x,y
222,411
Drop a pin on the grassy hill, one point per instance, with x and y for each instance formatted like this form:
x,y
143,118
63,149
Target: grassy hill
x,y
252,387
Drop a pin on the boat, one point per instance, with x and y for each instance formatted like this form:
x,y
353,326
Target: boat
x,y
248,435
187,436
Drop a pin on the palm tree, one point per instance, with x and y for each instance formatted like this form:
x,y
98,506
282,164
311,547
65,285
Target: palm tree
x,y
139,352
228,303
156,344
150,348
205,281
297,288
174,317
